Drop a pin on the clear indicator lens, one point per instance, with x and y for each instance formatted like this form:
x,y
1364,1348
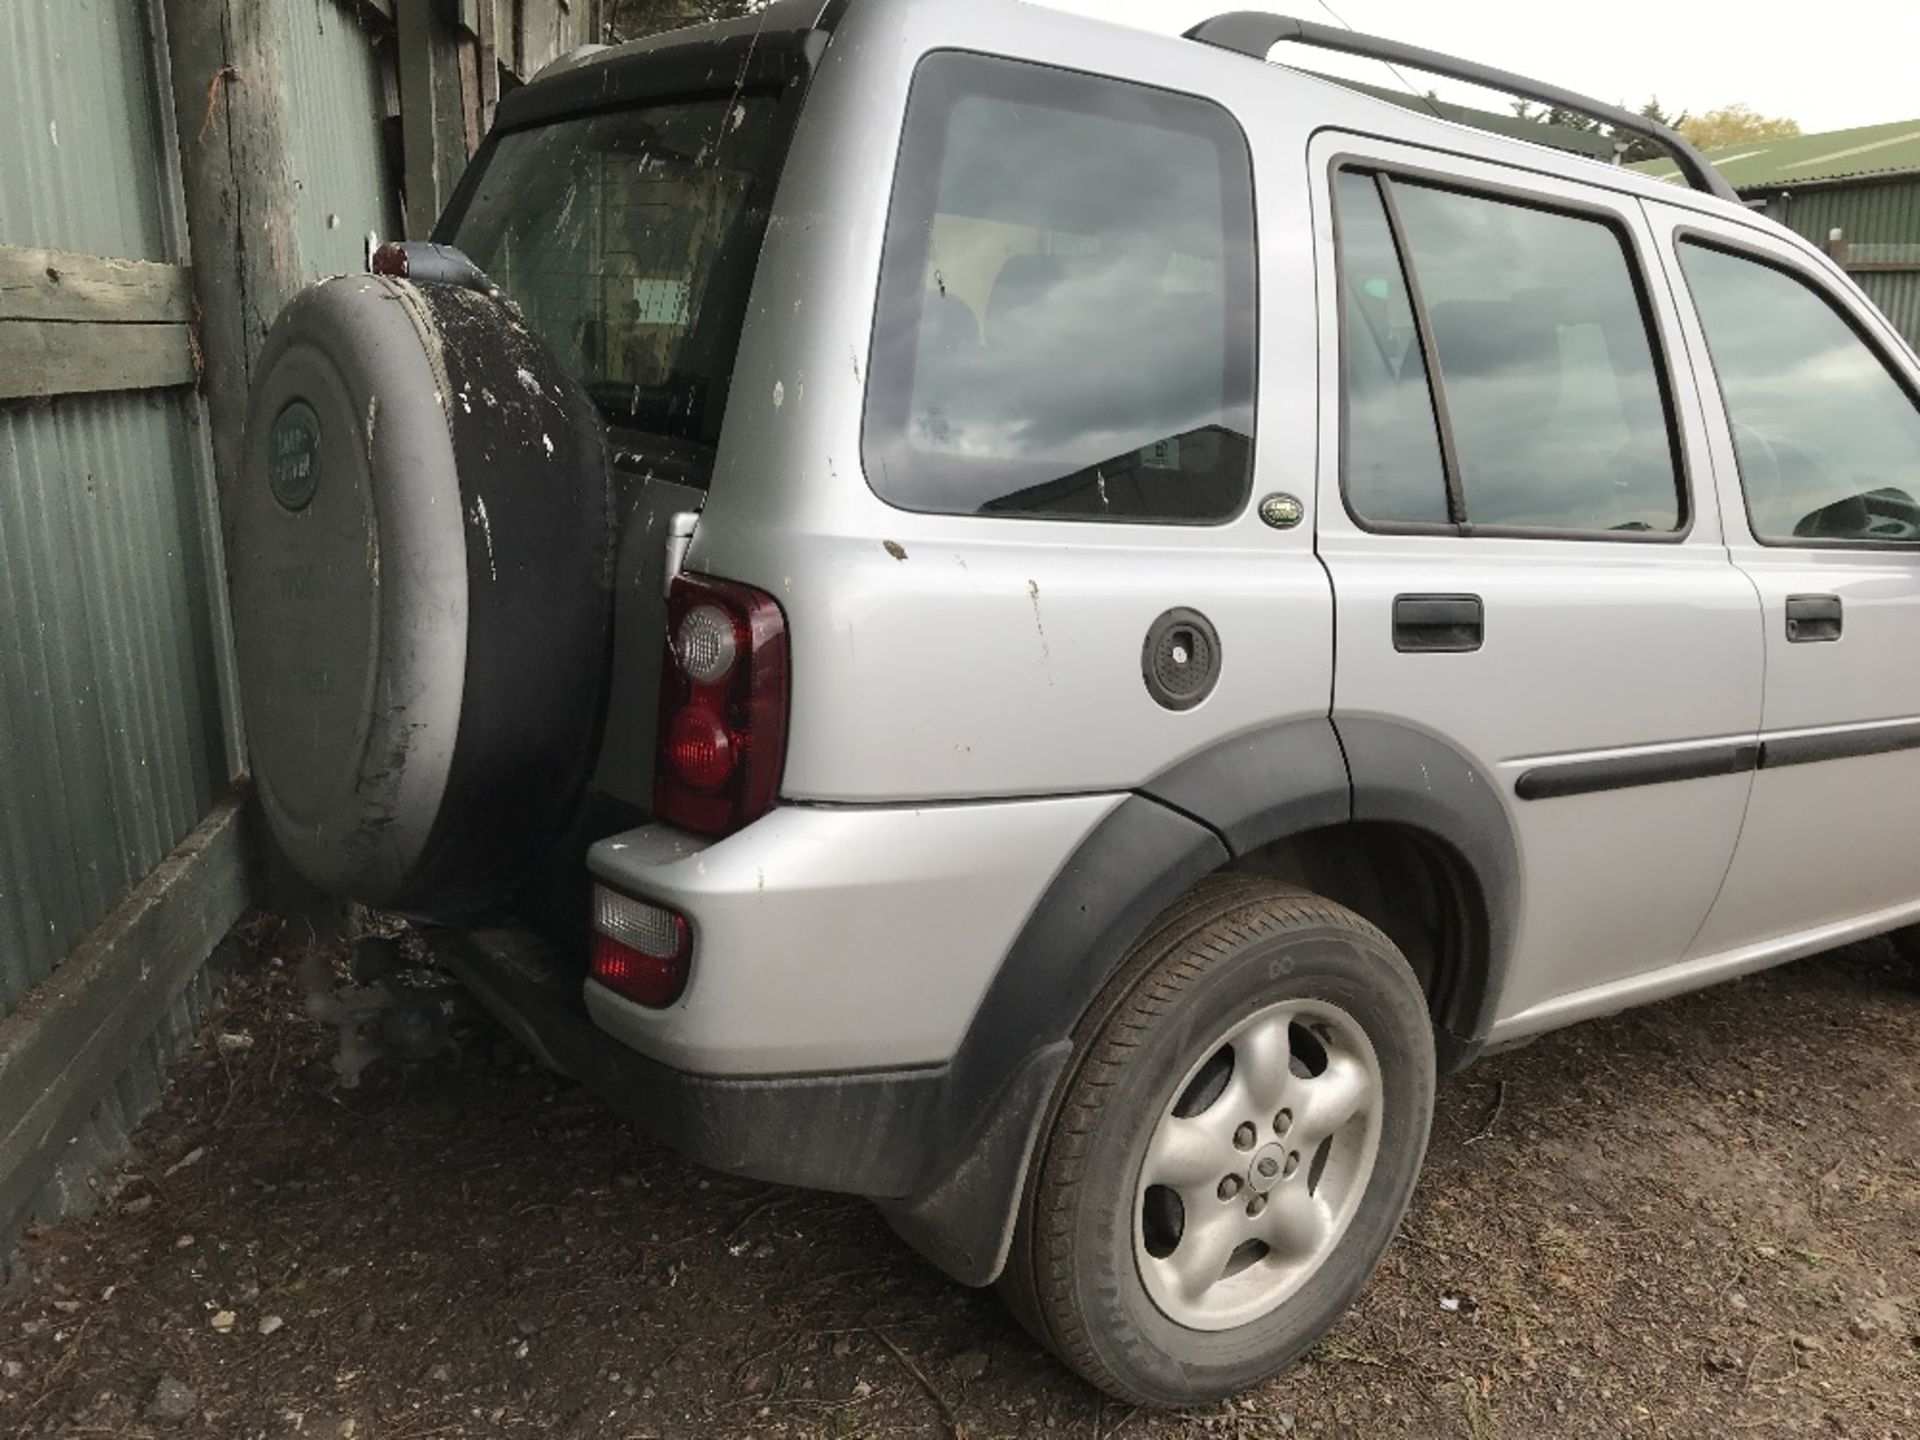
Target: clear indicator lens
x,y
706,645
647,928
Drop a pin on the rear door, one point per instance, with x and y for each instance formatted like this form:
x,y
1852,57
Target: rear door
x,y
1526,555
1816,434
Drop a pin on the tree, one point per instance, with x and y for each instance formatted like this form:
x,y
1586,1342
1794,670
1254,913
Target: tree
x,y
1560,119
630,19
1736,124
1637,147
1640,148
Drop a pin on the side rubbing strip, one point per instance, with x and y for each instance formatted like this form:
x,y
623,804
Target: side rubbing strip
x,y
1588,777
1841,745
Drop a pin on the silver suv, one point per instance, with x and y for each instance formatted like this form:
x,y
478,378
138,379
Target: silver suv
x,y
1044,623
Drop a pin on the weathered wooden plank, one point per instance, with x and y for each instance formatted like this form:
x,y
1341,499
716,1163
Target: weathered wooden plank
x,y
62,1049
38,284
57,357
433,125
234,116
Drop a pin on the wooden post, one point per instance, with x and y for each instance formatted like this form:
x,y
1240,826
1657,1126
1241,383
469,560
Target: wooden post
x,y
433,126
231,102
480,93
233,111
1837,246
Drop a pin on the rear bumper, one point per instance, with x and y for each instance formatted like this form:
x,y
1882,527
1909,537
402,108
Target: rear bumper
x,y
943,1146
864,1134
830,940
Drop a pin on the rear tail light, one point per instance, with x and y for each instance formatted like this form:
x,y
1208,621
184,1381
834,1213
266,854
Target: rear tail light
x,y
391,260
723,707
641,951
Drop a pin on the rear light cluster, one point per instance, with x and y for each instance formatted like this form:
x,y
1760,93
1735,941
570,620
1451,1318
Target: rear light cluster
x,y
723,707
640,951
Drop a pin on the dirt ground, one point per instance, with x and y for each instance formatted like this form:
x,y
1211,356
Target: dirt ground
x,y
1698,1220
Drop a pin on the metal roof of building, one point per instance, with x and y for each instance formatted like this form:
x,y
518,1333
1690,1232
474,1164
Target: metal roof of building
x,y
1890,149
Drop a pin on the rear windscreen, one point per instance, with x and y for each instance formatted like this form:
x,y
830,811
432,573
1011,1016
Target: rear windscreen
x,y
1066,324
629,239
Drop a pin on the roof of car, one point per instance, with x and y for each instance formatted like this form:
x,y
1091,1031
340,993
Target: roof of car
x,y
771,43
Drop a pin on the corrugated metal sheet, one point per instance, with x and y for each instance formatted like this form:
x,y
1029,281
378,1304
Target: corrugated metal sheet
x,y
1897,293
1880,221
110,748
77,131
337,78
1868,213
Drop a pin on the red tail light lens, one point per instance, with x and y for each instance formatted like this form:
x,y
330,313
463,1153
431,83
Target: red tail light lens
x,y
700,749
643,952
723,707
390,260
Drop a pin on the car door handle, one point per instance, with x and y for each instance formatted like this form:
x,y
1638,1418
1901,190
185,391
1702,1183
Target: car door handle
x,y
1438,624
1813,618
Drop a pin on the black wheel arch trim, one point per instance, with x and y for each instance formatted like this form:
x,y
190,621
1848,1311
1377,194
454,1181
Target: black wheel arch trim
x,y
1414,780
1258,788
1304,775
1187,823
995,1091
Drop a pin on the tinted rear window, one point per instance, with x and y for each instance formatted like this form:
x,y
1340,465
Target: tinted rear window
x,y
630,240
1066,324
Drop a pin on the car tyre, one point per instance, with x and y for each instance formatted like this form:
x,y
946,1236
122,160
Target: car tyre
x,y
1906,946
1157,1282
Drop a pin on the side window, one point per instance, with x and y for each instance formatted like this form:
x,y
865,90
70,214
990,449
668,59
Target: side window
x,y
1066,323
1828,440
1394,470
1552,404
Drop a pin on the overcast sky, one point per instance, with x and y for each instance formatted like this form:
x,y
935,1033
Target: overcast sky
x,y
1830,65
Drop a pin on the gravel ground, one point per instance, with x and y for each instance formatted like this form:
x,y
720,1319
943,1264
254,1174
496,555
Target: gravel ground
x,y
1697,1220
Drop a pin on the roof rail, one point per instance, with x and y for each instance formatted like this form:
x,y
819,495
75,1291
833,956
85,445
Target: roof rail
x,y
1255,33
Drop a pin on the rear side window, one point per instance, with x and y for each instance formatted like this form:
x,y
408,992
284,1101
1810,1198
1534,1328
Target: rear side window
x,y
1394,468
1066,322
1516,341
1828,440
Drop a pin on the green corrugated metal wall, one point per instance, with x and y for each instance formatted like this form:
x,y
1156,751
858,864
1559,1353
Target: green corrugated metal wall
x,y
111,742
1898,296
339,65
1869,213
114,740
110,733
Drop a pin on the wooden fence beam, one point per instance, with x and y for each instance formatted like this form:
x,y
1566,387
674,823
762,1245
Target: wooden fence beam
x,y
61,1051
56,357
74,324
38,284
434,133
233,111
